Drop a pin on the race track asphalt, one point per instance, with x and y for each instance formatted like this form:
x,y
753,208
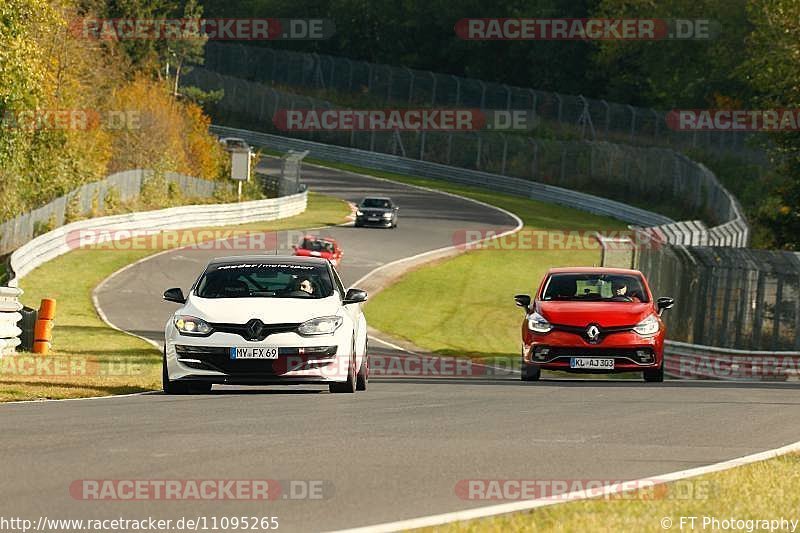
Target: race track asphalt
x,y
393,452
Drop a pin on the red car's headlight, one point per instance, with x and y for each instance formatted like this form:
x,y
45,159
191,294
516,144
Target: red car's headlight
x,y
538,324
647,327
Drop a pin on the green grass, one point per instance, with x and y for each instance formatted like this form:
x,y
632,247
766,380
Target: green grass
x,y
94,359
534,213
464,305
764,490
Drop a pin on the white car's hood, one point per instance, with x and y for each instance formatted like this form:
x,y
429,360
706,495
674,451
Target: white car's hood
x,y
268,310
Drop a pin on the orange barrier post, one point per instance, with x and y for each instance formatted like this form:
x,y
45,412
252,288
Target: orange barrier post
x,y
43,329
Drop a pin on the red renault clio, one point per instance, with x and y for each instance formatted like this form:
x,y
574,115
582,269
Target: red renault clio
x,y
593,320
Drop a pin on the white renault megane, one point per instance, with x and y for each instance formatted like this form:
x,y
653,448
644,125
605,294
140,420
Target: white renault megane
x,y
256,320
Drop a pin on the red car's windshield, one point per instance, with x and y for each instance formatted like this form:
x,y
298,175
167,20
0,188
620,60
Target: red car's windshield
x,y
588,287
317,245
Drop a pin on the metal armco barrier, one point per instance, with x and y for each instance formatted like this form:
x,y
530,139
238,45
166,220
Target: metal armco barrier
x,y
10,316
404,165
692,361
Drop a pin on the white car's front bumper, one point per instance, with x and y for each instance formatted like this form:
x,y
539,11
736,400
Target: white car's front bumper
x,y
300,359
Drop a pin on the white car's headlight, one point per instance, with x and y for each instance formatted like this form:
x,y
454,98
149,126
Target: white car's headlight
x,y
387,215
538,324
647,327
320,326
190,325
359,213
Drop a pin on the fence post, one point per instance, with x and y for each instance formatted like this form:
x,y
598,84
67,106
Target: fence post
x,y
508,96
449,146
656,123
633,121
478,152
422,146
349,74
433,92
505,153
410,84
776,324
608,116
560,103
458,89
797,313
483,94
758,317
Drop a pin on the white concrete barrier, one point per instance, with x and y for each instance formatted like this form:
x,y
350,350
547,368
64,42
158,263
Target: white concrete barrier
x,y
66,238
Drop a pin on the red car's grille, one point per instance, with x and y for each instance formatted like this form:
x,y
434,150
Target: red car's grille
x,y
549,354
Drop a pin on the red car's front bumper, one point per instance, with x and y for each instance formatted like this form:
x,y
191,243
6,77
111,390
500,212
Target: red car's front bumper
x,y
630,351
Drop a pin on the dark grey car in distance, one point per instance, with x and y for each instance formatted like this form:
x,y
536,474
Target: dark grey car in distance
x,y
377,211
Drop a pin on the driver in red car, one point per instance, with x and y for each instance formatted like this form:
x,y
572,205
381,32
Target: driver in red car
x,y
620,288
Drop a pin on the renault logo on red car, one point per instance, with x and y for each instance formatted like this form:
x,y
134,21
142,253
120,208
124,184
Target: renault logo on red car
x,y
593,320
593,333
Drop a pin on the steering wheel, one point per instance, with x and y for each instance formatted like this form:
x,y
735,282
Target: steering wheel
x,y
299,294
622,298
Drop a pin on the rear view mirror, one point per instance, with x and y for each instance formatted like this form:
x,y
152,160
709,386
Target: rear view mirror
x,y
664,303
355,296
174,295
523,300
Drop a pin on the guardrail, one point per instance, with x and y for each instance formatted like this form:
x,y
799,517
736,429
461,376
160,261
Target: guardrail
x,y
118,227
126,185
427,169
694,361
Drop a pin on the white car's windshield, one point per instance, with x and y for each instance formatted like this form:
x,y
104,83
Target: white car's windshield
x,y
595,287
263,280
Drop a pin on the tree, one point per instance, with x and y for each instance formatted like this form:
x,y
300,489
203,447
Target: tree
x,y
187,51
773,70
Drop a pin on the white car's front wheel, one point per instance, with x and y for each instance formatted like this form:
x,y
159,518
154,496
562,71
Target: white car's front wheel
x,y
348,386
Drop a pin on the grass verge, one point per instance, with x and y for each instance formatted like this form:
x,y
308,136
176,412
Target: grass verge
x,y
465,294
89,358
767,490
